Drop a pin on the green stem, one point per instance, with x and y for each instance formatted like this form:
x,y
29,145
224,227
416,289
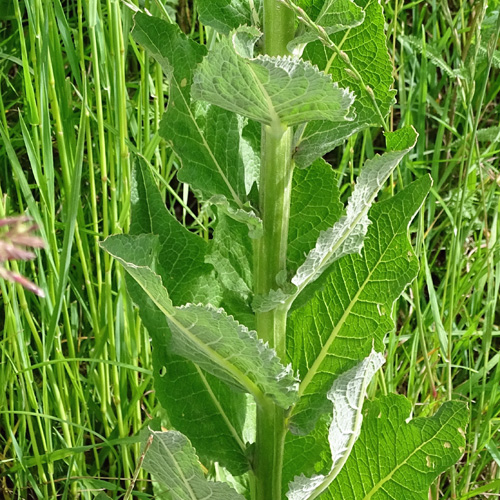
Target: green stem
x,y
274,205
275,191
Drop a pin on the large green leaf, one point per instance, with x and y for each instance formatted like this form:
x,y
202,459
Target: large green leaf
x,y
275,91
331,16
226,15
205,138
315,206
231,255
198,404
173,463
307,454
347,395
365,45
339,325
216,342
181,254
347,235
394,458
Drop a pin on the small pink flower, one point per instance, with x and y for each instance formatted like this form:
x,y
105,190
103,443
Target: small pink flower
x,y
14,245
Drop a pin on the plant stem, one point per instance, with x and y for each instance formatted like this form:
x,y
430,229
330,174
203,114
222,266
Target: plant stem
x,y
279,27
274,205
275,187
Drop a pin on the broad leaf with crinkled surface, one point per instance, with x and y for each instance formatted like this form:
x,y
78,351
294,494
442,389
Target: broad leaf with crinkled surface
x,y
276,91
331,15
231,254
205,138
226,15
352,312
197,403
366,48
396,459
347,235
315,206
174,465
216,342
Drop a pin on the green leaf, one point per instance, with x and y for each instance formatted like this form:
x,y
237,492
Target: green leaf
x,y
226,15
242,360
203,407
231,255
276,91
334,16
337,15
433,54
246,215
173,463
347,235
365,46
216,342
315,206
394,458
205,138
307,454
198,404
347,395
181,254
352,312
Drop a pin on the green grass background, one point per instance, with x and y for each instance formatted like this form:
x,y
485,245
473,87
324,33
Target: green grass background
x,y
78,99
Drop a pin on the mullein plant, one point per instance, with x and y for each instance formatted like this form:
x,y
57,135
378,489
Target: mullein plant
x,y
266,338
17,238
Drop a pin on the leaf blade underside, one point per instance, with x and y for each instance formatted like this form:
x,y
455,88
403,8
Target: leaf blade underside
x,y
347,395
173,463
276,91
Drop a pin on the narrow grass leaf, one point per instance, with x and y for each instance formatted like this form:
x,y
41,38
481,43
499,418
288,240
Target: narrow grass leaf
x,y
433,54
436,314
72,206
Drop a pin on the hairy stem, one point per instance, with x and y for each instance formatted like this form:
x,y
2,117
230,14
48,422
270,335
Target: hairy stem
x,y
275,191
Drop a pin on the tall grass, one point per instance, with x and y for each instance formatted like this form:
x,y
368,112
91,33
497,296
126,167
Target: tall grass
x,y
78,99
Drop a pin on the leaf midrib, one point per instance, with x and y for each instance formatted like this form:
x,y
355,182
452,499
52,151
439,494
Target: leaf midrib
x,y
219,407
180,471
324,351
204,142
